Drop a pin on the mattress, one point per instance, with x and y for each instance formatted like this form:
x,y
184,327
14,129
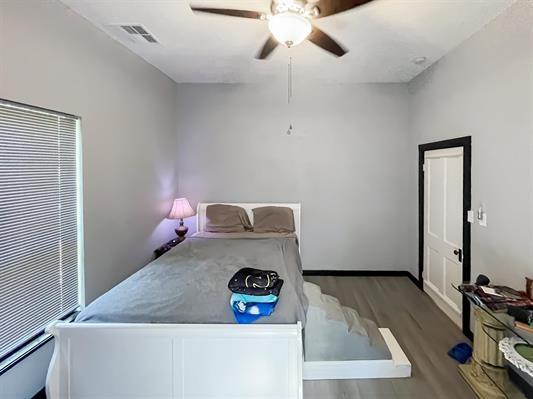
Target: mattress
x,y
188,284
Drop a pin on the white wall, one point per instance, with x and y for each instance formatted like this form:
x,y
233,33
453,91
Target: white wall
x,y
484,89
346,162
52,58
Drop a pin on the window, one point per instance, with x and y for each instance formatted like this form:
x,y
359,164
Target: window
x,y
40,221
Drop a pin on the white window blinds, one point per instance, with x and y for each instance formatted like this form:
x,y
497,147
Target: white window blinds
x,y
40,249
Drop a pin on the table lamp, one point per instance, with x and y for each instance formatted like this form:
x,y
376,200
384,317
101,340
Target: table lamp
x,y
181,209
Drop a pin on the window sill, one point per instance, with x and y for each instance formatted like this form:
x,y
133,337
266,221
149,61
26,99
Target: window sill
x,y
29,347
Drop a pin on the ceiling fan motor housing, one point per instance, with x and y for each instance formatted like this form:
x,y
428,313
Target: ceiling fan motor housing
x,y
295,6
290,22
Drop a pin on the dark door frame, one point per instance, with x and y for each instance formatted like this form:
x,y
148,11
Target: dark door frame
x,y
466,143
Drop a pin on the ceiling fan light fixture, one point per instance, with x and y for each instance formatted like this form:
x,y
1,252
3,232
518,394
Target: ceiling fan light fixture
x,y
289,28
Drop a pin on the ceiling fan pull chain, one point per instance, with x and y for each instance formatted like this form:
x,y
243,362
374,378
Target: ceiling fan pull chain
x,y
289,81
289,90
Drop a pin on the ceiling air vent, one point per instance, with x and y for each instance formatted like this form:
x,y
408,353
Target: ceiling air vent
x,y
138,32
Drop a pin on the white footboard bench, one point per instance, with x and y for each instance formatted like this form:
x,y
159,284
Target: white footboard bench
x,y
156,361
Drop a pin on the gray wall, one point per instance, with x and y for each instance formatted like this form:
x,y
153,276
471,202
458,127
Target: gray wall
x,y
50,57
484,89
346,162
351,160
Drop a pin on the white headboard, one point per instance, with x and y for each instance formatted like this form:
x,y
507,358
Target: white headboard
x,y
201,218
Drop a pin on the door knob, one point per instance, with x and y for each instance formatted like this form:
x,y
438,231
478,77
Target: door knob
x,y
459,253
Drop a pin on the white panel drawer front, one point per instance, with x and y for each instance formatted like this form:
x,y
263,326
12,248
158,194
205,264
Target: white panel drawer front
x,y
128,369
239,366
175,361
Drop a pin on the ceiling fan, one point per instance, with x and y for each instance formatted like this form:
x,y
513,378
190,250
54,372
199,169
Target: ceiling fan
x,y
290,24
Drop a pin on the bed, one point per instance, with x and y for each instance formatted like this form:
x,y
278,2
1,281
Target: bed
x,y
188,284
127,345
168,331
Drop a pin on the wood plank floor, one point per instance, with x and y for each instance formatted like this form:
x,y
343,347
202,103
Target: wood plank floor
x,y
424,332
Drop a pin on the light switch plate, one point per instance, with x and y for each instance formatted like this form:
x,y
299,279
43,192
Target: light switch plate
x,y
483,221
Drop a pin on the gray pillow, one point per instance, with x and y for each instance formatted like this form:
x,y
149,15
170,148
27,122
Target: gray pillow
x,y
273,219
226,219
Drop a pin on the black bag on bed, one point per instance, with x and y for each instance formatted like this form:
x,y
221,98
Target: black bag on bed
x,y
251,281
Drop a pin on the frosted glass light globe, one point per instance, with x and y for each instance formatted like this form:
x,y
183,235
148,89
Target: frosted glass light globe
x,y
289,28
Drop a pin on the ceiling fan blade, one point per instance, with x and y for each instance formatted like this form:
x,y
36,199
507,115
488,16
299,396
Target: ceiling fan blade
x,y
267,48
325,41
330,7
230,12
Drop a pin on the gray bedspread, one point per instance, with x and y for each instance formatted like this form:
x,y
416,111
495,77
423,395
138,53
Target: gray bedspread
x,y
189,284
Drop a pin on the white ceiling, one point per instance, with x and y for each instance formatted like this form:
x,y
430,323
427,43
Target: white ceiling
x,y
383,37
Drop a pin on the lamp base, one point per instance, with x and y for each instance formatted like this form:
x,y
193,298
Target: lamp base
x,y
181,232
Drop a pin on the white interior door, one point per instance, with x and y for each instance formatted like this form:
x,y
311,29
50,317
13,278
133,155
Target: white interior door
x,y
443,228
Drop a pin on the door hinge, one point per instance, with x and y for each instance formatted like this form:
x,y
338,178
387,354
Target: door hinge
x,y
424,167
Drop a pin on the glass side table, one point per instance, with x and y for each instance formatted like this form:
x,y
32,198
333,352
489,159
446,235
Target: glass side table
x,y
495,340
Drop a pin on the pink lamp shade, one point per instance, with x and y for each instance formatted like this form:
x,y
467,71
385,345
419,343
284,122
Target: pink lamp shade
x,y
181,209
